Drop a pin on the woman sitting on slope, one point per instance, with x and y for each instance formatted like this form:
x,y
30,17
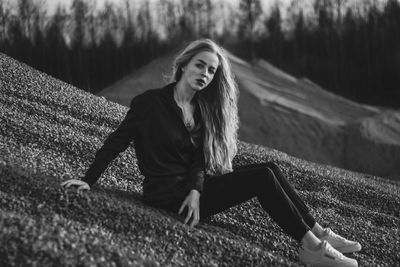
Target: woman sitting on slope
x,y
185,137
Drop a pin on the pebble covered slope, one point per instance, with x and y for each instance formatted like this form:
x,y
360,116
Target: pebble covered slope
x,y
50,131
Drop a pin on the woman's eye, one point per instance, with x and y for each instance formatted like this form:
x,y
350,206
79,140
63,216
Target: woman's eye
x,y
211,71
199,65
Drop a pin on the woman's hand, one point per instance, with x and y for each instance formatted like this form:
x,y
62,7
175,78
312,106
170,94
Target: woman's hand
x,y
81,185
192,202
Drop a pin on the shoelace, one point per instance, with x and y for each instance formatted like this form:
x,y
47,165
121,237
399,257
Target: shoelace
x,y
331,250
329,232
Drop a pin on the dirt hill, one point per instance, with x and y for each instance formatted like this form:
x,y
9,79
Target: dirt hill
x,y
295,116
49,132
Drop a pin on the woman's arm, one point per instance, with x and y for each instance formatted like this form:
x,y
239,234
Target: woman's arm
x,y
197,170
196,180
119,140
81,185
116,142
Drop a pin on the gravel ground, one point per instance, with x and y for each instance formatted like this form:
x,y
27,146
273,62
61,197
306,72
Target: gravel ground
x,y
49,132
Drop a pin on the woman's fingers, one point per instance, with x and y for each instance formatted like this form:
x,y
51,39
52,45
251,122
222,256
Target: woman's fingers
x,y
66,183
70,182
196,218
195,215
182,207
73,182
83,188
193,212
190,211
188,216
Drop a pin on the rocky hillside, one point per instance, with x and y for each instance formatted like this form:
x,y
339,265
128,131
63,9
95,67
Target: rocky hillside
x,y
295,116
49,132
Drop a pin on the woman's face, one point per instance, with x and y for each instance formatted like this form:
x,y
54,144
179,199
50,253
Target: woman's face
x,y
200,70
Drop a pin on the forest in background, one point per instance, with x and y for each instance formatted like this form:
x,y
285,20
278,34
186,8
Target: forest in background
x,y
350,49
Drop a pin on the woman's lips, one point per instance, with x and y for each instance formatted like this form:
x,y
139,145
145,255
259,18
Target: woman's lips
x,y
200,82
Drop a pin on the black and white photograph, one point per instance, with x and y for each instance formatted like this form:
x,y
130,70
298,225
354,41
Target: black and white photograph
x,y
200,133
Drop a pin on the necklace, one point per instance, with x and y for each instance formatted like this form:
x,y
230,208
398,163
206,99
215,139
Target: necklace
x,y
187,113
187,117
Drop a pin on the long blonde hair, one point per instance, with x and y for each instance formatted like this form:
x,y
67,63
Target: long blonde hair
x,y
218,107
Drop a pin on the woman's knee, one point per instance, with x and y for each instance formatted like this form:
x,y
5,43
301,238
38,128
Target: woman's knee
x,y
266,184
267,175
272,165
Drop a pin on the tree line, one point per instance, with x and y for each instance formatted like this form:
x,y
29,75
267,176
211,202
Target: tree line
x,y
354,52
357,56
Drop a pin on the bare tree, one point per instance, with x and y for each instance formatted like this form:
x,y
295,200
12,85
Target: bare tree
x,y
250,13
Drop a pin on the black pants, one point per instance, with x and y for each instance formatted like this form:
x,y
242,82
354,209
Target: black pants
x,y
264,181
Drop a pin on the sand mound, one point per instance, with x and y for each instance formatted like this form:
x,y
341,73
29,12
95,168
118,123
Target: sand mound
x,y
377,137
293,115
139,81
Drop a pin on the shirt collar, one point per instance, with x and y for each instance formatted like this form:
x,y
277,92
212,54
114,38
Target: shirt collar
x,y
168,91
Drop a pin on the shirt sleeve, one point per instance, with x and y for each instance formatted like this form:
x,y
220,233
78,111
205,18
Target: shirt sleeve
x,y
119,140
197,170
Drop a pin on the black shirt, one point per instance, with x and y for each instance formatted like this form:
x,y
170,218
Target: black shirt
x,y
169,155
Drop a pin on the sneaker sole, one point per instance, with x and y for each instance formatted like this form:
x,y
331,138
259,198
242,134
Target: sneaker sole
x,y
328,264
322,265
349,249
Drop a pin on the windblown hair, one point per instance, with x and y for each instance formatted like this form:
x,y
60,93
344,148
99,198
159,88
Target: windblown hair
x,y
218,107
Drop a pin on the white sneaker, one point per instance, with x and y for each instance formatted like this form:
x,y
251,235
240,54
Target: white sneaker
x,y
325,255
339,243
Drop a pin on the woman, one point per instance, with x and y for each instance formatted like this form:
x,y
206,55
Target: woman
x,y
185,137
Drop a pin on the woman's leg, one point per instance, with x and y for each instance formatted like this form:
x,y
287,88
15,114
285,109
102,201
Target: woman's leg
x,y
225,191
338,242
287,187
